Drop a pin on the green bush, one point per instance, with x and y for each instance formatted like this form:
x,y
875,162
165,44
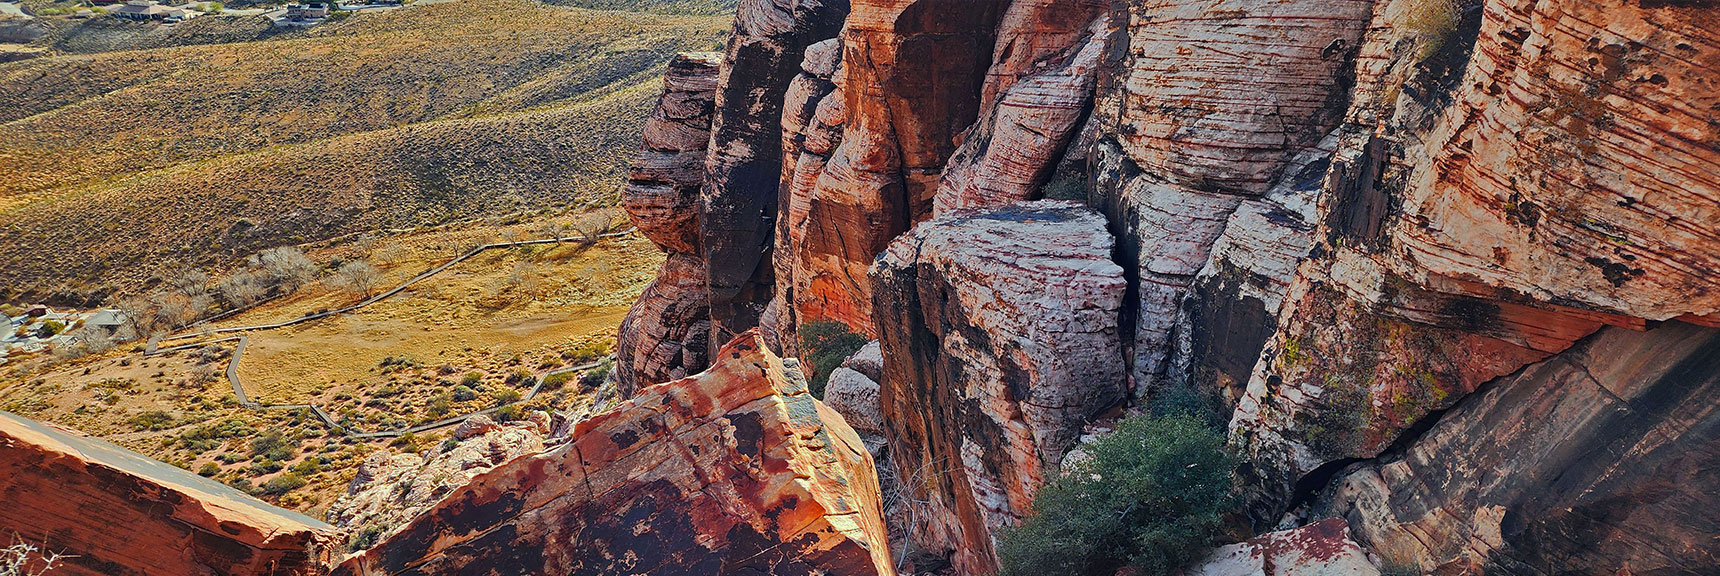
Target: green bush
x,y
1152,495
1066,187
464,393
472,379
283,484
505,396
152,420
825,344
273,446
208,469
557,380
595,377
364,538
50,328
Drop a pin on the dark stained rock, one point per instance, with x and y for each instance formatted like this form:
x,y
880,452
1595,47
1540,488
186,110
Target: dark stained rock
x,y
738,205
999,343
120,514
1599,458
734,471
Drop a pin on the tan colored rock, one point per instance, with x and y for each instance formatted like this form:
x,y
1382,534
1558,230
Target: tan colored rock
x,y
1323,548
1042,94
1578,162
999,340
391,489
737,470
117,513
1218,94
663,336
812,128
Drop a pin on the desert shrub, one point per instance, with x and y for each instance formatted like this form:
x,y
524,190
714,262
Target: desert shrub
x,y
440,406
1071,187
588,352
25,559
504,396
557,380
209,469
365,538
463,393
11,310
595,377
242,485
283,484
50,328
1151,495
825,344
358,277
152,420
1435,21
508,413
274,446
471,378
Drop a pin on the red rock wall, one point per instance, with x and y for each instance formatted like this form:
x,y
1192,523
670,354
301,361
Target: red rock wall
x,y
738,206
117,513
734,471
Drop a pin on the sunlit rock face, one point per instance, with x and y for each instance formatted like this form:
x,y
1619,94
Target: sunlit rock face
x,y
1000,341
665,335
115,512
734,471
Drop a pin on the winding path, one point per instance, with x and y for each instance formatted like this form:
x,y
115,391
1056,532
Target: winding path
x,y
239,349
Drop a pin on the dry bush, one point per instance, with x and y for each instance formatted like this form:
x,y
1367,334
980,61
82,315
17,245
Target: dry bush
x,y
25,559
358,277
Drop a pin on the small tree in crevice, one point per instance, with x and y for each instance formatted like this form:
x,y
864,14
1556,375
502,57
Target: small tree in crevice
x,y
1152,495
825,344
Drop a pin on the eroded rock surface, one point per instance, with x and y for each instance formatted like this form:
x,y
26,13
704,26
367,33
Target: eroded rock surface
x,y
392,488
117,513
1000,341
1323,548
664,336
1598,458
737,470
738,205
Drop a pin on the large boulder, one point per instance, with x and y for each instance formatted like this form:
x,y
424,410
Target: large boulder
x,y
1323,548
1000,340
117,513
737,470
663,337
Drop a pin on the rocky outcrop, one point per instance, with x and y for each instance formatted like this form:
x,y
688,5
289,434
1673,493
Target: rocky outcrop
x,y
737,470
116,513
811,131
1000,341
664,336
1213,102
1037,94
1577,164
1323,548
738,205
911,75
853,390
1575,462
392,488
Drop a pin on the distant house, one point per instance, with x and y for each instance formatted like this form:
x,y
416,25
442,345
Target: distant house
x,y
307,11
147,10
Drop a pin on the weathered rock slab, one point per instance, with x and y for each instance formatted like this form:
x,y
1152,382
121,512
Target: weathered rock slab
x,y
117,513
735,471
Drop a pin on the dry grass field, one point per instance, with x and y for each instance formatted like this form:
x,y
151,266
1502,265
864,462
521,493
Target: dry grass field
x,y
115,165
469,338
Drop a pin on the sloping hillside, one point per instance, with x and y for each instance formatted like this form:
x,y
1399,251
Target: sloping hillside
x,y
114,164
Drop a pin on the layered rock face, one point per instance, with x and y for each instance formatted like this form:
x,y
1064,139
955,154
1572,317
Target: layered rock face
x,y
1596,459
117,513
737,470
1323,548
999,342
664,336
1213,102
738,205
